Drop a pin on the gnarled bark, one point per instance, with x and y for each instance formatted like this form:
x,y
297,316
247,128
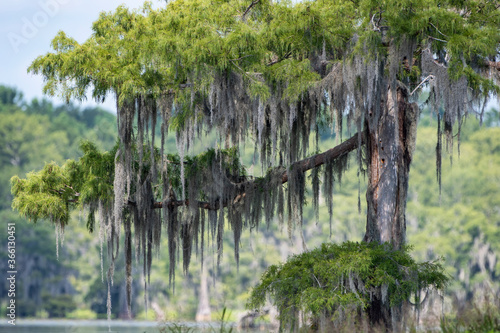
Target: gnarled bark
x,y
390,144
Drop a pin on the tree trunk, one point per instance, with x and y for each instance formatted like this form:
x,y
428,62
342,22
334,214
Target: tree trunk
x,y
390,142
203,313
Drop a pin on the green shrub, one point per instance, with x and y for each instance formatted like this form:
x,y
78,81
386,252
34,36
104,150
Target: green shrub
x,y
58,306
82,314
335,281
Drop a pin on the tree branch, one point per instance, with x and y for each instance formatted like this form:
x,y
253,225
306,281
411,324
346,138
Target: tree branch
x,y
438,39
303,166
244,15
430,77
329,155
437,29
274,62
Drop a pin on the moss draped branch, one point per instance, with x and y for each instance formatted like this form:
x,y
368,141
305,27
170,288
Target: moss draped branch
x,y
302,166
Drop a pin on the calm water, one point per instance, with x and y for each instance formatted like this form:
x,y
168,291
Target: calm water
x,y
93,326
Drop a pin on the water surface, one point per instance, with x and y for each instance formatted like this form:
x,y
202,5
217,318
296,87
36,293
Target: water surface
x,y
80,326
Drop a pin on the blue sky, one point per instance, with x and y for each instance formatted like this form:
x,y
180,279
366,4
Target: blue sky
x,y
28,26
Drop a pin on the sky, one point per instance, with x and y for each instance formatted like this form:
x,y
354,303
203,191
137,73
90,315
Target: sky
x,y
28,26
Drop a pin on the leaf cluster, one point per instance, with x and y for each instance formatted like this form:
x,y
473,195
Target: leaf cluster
x,y
279,49
199,168
150,52
48,193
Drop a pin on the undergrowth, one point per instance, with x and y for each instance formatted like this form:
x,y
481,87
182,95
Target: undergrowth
x,y
338,282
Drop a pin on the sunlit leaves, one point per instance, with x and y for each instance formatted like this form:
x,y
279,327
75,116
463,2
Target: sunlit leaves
x,y
45,194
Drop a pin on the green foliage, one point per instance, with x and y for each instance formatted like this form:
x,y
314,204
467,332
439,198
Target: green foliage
x,y
148,52
26,140
248,53
10,96
222,326
54,191
210,64
470,183
482,318
81,314
175,328
199,167
35,133
463,219
58,306
336,279
45,194
31,134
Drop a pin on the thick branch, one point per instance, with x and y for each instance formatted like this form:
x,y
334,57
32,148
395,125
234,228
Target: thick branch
x,y
329,155
303,166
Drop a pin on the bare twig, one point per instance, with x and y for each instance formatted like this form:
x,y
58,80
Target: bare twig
x,y
430,77
244,15
240,58
274,62
241,69
375,27
437,29
438,39
319,284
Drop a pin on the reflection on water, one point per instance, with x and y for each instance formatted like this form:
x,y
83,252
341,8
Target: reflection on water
x,y
83,326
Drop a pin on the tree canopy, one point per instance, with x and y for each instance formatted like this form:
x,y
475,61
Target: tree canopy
x,y
276,72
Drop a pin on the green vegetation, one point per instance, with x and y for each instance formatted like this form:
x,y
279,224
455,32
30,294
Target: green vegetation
x,y
461,223
223,326
335,282
58,306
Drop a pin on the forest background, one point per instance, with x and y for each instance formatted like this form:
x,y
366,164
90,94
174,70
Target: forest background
x,y
461,224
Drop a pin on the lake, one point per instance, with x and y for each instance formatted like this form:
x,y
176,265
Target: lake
x,y
100,326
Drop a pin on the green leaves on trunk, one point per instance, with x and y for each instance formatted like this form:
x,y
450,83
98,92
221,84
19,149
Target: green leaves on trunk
x,y
334,281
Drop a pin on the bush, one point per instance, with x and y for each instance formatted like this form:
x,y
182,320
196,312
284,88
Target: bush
x,y
82,314
335,281
58,306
